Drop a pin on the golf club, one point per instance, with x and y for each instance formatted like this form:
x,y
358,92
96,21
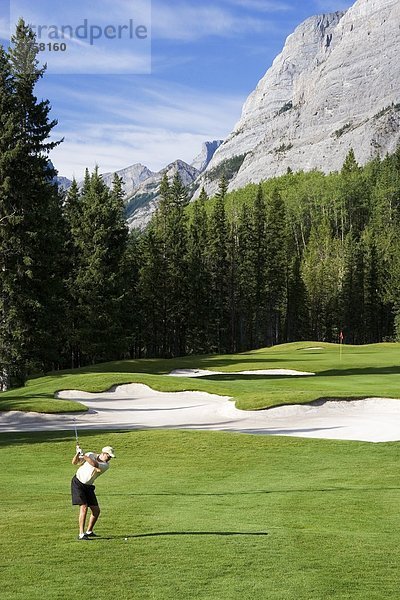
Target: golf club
x,y
76,434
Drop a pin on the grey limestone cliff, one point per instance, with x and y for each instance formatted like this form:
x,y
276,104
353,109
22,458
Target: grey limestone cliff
x,y
335,85
207,152
132,177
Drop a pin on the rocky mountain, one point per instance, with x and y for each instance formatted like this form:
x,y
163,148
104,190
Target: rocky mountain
x,y
144,200
63,183
335,85
208,150
142,186
132,177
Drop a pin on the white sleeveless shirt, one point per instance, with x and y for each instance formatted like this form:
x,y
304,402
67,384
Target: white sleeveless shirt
x,y
87,474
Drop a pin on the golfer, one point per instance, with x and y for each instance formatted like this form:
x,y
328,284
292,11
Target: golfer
x,y
91,466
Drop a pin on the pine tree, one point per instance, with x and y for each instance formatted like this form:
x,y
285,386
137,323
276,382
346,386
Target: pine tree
x,y
323,268
276,267
132,308
353,291
176,247
198,279
296,318
372,305
99,285
165,256
32,274
222,188
233,292
385,228
73,218
151,290
247,280
11,329
355,196
217,260
261,248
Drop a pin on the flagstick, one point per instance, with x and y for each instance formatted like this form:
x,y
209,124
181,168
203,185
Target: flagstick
x,y
340,345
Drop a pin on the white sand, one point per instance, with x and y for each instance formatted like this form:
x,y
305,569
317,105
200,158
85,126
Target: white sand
x,y
314,348
134,406
204,372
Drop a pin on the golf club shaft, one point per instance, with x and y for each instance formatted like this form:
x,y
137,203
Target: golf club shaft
x,y
76,435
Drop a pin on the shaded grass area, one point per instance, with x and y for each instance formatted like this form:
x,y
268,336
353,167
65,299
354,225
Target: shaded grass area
x,y
363,371
206,516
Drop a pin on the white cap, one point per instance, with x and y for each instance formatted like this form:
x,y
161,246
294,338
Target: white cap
x,y
108,450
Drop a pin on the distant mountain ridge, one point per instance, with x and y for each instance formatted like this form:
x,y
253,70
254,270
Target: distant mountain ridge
x,y
132,177
144,201
142,186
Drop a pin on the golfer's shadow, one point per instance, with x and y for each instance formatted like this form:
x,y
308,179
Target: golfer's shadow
x,y
166,533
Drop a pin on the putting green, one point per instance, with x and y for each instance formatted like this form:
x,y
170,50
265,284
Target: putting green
x,y
361,371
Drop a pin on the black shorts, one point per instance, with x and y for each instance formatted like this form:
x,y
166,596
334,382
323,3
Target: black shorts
x,y
82,493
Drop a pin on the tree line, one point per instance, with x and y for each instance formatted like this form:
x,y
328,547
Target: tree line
x,y
302,256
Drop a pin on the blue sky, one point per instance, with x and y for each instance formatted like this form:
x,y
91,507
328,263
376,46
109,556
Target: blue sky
x,y
205,60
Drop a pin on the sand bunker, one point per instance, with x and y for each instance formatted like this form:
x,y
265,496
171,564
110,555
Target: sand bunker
x,y
205,373
135,406
314,348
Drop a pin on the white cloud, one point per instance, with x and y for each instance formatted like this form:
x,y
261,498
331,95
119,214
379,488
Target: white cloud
x,y
262,5
99,35
96,61
133,146
165,123
188,23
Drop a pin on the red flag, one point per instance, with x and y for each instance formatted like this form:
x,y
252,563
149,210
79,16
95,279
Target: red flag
x,y
341,336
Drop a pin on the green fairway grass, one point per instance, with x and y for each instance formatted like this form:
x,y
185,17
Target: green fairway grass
x,y
363,371
210,516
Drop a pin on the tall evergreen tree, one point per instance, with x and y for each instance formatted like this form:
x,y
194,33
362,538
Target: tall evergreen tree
x,y
247,281
32,230
355,196
353,291
198,278
11,326
217,259
276,267
261,248
73,217
233,293
165,253
297,311
132,308
373,306
152,290
176,247
101,240
222,187
323,273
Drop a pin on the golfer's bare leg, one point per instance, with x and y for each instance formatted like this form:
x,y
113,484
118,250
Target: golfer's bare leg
x,y
82,518
93,517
